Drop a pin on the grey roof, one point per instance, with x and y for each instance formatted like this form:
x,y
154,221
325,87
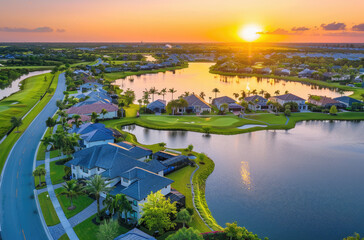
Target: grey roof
x,y
93,132
175,160
157,104
135,234
289,97
347,100
222,100
115,159
143,183
255,97
91,85
194,100
235,105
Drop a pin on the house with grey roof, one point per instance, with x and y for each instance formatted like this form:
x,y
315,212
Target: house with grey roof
x,y
158,106
88,109
135,234
288,98
93,134
90,86
232,105
256,103
196,104
347,101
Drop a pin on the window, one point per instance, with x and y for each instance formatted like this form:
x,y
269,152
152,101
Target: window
x,y
125,180
135,203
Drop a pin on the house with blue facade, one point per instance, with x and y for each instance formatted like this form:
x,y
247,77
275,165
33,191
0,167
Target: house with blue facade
x,y
158,106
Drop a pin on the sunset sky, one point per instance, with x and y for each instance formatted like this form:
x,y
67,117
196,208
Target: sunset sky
x,y
180,21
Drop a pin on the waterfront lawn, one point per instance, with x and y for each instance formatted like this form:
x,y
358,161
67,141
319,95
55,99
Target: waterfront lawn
x,y
21,102
36,180
57,171
81,202
87,230
268,118
49,213
8,143
181,183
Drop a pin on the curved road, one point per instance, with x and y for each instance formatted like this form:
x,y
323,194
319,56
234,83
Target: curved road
x,y
19,215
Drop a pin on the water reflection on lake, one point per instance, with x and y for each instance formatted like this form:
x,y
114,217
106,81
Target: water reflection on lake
x,y
304,183
196,78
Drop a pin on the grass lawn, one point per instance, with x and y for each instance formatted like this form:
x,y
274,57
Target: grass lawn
x,y
131,111
21,102
29,67
57,172
87,230
268,118
55,153
42,148
64,237
181,183
8,143
36,179
49,214
80,202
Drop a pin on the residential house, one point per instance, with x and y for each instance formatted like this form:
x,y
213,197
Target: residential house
x,y
282,72
256,103
288,98
337,78
196,104
112,110
232,105
347,101
245,70
325,102
84,119
265,70
93,134
158,106
328,75
90,86
306,73
135,234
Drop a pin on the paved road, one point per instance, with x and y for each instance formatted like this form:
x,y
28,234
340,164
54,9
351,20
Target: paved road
x,y
19,216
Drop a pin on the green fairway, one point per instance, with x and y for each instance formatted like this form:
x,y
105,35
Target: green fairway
x,y
81,202
21,102
29,67
49,213
268,118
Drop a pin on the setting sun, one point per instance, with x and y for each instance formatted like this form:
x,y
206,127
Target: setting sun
x,y
250,33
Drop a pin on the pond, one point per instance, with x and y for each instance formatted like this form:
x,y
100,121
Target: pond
x,y
303,183
196,78
15,85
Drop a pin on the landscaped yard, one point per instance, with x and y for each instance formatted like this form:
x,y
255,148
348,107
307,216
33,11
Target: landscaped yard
x,y
36,179
55,153
57,171
49,214
80,202
268,118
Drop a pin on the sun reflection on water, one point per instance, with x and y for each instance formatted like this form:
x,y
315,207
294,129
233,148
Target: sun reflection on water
x,y
245,174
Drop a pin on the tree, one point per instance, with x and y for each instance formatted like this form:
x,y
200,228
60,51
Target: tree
x,y
94,116
333,110
277,92
71,189
355,237
60,105
216,91
103,112
236,95
184,217
201,157
123,205
108,230
162,144
267,95
233,231
50,122
224,108
153,91
39,172
129,97
157,212
202,95
77,121
110,204
172,91
190,148
185,234
95,186
163,92
243,94
16,122
261,92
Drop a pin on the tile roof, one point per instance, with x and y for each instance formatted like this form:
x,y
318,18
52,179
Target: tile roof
x,y
135,234
194,100
347,100
255,97
95,107
289,97
221,100
157,104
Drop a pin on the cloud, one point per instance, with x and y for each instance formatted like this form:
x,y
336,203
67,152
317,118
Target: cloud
x,y
37,30
60,30
278,31
333,26
300,29
359,27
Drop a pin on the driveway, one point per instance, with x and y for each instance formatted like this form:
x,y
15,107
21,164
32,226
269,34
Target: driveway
x,y
19,216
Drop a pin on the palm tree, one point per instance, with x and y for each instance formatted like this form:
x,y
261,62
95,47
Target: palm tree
x,y
48,140
140,101
153,91
124,205
186,94
172,90
61,113
254,92
216,91
39,172
60,105
243,94
103,112
16,122
163,92
261,92
72,190
236,95
286,92
109,202
50,122
202,95
77,121
277,92
95,186
94,116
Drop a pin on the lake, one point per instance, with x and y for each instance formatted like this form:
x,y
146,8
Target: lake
x,y
14,86
196,78
303,183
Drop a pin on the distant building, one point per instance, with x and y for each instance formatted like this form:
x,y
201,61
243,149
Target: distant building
x,y
282,72
306,73
347,101
158,106
256,103
325,102
112,110
287,98
196,104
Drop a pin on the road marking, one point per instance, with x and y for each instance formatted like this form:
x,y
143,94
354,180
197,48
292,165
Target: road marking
x,y
17,174
23,234
19,161
16,194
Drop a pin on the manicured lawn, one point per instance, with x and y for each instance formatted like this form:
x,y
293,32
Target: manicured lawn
x,y
8,143
29,67
64,237
42,148
268,118
57,172
21,102
87,230
55,153
36,179
131,111
181,183
49,214
80,202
